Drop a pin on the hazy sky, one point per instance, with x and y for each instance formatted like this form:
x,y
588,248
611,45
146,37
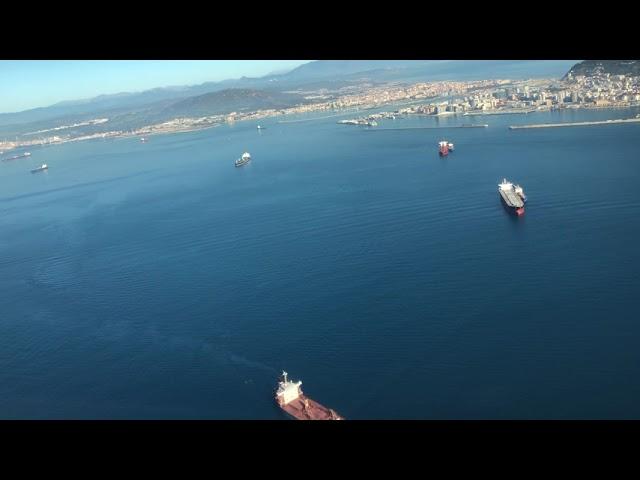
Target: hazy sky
x,y
26,84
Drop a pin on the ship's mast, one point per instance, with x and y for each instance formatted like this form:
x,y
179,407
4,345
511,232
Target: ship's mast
x,y
284,376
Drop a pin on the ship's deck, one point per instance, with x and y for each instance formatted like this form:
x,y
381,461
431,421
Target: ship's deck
x,y
511,198
315,411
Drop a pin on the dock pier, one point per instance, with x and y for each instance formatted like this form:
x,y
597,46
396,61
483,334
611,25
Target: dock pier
x,y
576,124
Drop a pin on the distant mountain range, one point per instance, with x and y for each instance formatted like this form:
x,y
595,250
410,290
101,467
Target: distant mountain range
x,y
613,67
267,91
430,70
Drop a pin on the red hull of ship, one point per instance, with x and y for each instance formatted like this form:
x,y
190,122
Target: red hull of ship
x,y
313,410
518,211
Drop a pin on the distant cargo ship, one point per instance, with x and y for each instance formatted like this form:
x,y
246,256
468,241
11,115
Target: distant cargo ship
x,y
16,157
291,399
512,196
367,122
40,168
143,140
246,158
443,148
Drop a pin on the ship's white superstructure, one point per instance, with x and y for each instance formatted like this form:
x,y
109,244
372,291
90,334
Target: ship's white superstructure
x,y
520,192
288,391
246,157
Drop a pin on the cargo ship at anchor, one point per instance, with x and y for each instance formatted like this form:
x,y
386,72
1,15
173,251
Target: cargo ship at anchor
x,y
16,157
512,196
291,399
41,168
443,148
246,158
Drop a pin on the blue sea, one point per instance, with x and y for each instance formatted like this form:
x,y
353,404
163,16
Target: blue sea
x,y
158,281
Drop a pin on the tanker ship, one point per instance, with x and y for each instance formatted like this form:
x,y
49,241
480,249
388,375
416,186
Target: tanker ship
x,y
16,157
512,196
291,399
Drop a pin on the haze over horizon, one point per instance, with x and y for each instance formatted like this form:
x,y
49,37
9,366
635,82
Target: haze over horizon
x,y
29,84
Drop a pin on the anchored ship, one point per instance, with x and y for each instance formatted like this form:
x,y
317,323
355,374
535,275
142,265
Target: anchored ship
x,y
40,168
246,158
291,399
443,148
367,122
15,157
512,196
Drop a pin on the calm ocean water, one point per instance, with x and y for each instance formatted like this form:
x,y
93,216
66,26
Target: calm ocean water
x,y
158,281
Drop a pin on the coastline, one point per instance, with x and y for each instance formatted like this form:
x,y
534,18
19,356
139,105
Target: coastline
x,y
504,112
257,115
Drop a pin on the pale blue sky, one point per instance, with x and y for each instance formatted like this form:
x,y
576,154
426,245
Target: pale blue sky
x,y
26,84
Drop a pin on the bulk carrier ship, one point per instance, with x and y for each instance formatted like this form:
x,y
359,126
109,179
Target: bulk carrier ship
x,y
512,196
291,399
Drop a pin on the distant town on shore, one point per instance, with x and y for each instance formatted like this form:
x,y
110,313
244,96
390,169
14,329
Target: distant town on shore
x,y
589,84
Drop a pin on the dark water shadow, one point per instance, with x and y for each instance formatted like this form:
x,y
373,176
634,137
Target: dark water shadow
x,y
73,187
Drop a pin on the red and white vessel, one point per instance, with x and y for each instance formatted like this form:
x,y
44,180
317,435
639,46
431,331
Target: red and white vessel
x,y
512,196
291,399
443,148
